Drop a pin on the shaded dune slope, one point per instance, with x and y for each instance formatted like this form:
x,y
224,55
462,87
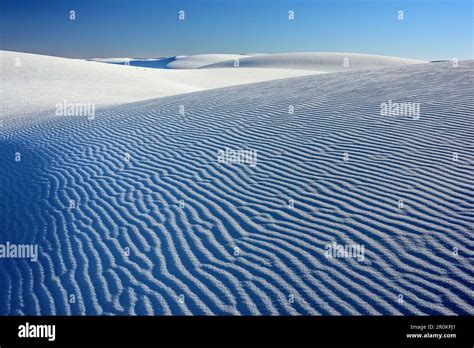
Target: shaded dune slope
x,y
134,201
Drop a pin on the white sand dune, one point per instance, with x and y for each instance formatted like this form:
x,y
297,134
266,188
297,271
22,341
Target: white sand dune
x,y
146,178
117,60
178,62
42,81
156,63
201,60
321,62
317,61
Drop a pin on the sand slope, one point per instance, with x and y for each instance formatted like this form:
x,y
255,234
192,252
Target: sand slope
x,y
42,81
181,213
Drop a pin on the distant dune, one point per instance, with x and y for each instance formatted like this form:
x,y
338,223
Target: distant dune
x,y
202,60
160,224
178,62
321,62
317,61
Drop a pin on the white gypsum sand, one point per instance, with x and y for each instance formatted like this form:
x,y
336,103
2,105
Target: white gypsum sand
x,y
229,235
42,81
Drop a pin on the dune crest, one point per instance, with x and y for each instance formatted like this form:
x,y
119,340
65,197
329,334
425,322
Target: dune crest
x,y
316,61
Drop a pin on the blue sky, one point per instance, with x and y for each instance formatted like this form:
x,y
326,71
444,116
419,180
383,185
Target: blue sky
x,y
431,29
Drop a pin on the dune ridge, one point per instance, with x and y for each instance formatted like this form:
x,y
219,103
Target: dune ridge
x,y
323,62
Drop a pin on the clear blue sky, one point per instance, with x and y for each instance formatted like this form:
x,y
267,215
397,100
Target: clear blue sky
x,y
431,29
